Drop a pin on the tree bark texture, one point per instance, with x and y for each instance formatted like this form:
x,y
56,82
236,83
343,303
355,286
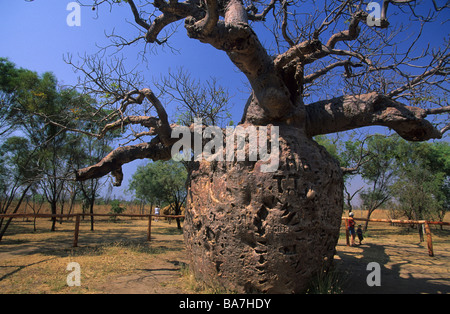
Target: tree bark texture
x,y
250,231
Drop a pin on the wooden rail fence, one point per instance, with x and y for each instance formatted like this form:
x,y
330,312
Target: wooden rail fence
x,y
425,223
78,220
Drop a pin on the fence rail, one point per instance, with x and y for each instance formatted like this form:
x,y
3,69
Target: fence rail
x,y
78,220
425,223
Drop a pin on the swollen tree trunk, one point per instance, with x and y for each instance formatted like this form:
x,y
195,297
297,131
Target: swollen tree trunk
x,y
251,231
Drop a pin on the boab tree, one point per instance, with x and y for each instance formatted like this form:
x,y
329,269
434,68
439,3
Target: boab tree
x,y
334,67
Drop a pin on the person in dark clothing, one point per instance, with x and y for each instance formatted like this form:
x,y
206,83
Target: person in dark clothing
x,y
359,232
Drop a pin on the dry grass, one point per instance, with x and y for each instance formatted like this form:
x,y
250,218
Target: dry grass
x,y
116,258
77,208
35,262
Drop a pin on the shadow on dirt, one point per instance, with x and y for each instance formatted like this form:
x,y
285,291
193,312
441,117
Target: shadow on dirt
x,y
395,271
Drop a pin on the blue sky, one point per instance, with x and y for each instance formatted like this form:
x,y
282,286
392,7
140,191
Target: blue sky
x,y
35,36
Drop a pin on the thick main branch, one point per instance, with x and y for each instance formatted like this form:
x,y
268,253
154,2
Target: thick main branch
x,y
351,112
234,36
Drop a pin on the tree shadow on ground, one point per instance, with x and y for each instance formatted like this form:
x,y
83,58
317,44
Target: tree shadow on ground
x,y
20,267
60,242
396,276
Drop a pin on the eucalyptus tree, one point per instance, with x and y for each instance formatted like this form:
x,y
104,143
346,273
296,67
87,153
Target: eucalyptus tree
x,y
161,182
421,189
19,171
28,102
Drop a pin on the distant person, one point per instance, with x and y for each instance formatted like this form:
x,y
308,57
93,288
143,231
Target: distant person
x,y
156,212
360,234
351,227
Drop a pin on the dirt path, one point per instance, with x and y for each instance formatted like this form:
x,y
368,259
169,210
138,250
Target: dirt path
x,y
404,267
162,276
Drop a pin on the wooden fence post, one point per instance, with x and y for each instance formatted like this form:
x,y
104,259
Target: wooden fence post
x,y
149,230
429,240
77,230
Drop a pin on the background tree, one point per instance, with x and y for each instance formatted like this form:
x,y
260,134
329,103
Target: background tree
x,y
19,171
352,153
162,183
84,151
379,173
144,185
9,78
440,165
445,194
412,175
116,208
56,144
422,175
35,202
89,150
28,102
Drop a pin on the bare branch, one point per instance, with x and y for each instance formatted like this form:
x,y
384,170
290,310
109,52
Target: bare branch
x,y
172,12
251,11
158,24
284,24
299,52
331,17
113,162
163,128
346,63
445,129
235,12
440,69
149,122
137,17
438,110
351,33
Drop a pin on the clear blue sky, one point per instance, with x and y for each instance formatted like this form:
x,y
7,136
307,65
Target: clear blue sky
x,y
35,36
